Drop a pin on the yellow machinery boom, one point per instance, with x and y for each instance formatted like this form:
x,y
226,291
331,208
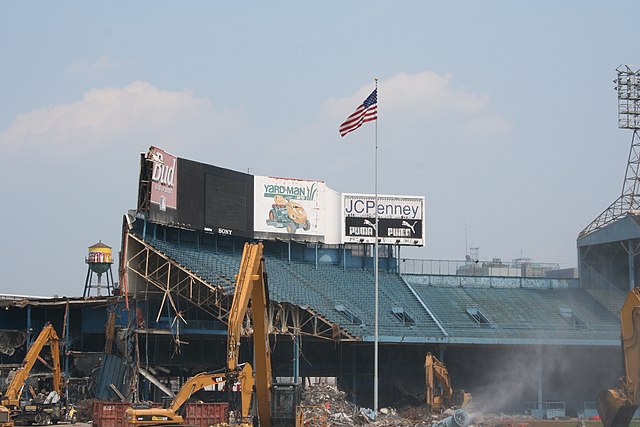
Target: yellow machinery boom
x,y
617,405
252,285
11,397
439,393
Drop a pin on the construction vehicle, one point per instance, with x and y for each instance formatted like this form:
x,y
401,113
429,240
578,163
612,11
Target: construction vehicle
x,y
617,405
439,392
277,403
143,414
51,409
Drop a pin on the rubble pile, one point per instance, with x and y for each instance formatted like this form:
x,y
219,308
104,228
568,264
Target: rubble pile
x,y
324,405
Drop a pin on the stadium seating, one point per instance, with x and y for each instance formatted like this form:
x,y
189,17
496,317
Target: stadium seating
x,y
411,310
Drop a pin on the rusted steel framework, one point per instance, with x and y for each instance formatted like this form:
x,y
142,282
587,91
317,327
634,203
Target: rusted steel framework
x,y
152,274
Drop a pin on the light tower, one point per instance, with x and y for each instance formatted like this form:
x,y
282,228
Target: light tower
x,y
99,262
628,89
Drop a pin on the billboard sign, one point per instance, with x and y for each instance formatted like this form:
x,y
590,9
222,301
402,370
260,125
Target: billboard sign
x,y
215,199
164,178
401,219
288,206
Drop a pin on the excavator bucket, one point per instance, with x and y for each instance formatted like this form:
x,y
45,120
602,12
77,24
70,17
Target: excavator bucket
x,y
614,408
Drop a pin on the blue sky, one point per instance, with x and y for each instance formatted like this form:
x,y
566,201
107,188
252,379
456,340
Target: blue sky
x,y
502,114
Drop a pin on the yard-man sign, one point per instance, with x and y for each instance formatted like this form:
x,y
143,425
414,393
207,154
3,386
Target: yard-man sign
x,y
401,219
288,206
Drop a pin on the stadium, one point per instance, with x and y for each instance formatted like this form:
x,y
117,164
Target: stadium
x,y
521,337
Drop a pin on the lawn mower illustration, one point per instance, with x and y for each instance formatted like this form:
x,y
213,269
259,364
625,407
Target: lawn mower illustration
x,y
288,214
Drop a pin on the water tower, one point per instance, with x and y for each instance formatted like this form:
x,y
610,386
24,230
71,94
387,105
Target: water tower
x,y
99,262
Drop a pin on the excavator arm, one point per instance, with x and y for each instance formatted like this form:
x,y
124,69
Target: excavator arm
x,y
251,284
617,405
48,335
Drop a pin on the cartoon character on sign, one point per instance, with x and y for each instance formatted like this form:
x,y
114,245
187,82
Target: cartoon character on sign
x,y
288,214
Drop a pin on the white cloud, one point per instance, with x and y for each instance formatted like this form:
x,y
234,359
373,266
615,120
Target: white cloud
x,y
109,115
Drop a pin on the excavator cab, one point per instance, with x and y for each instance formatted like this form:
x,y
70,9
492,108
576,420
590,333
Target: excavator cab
x,y
166,402
5,417
285,405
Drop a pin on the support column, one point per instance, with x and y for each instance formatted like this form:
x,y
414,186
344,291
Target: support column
x,y
632,267
296,359
540,375
29,329
354,381
67,343
344,257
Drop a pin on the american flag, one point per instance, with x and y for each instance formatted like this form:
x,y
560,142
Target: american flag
x,y
366,112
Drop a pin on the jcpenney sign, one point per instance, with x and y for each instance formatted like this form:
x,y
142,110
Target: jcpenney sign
x,y
400,218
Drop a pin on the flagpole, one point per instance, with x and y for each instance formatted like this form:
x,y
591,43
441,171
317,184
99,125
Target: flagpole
x,y
375,345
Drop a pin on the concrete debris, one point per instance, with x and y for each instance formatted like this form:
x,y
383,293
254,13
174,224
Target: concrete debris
x,y
368,413
324,405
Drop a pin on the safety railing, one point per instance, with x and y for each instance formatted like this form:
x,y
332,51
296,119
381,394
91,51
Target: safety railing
x,y
477,268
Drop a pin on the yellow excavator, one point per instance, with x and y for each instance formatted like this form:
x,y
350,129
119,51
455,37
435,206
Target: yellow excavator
x,y
277,403
617,405
145,415
52,409
439,393
48,335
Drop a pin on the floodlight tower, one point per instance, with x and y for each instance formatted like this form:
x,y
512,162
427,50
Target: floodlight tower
x,y
628,88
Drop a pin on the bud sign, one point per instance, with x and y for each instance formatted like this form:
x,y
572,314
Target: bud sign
x,y
163,178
